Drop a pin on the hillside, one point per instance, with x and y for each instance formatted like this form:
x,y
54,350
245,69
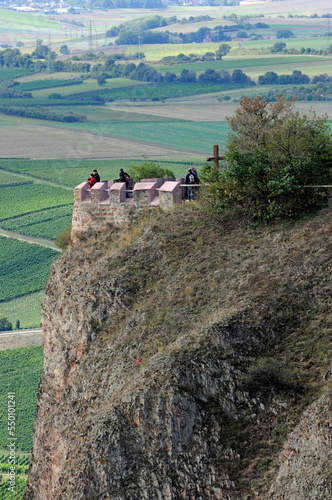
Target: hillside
x,y
179,354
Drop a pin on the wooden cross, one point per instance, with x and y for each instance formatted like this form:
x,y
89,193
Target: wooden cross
x,y
215,158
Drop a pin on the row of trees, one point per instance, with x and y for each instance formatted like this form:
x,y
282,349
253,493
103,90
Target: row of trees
x,y
152,22
10,94
145,73
281,47
42,114
317,92
271,78
129,33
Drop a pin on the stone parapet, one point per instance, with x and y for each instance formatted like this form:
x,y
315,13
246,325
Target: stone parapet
x,y
144,193
170,194
107,201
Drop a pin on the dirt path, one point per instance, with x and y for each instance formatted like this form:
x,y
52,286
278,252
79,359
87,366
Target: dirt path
x,y
30,239
20,338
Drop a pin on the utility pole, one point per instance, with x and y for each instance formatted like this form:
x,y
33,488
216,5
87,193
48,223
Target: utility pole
x,y
90,38
49,58
139,39
328,32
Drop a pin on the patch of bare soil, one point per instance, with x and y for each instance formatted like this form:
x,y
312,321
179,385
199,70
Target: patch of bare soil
x,y
16,340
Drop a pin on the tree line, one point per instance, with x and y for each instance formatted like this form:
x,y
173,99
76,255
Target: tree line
x,y
41,114
130,33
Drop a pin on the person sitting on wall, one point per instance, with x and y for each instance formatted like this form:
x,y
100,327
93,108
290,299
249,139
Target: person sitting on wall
x,y
96,175
91,180
124,177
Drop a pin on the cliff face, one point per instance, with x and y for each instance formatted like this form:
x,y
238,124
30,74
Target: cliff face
x,y
179,353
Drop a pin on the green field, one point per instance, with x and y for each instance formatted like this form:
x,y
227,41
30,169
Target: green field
x,y
99,114
47,223
23,19
231,63
193,136
19,200
20,371
87,86
73,172
45,84
24,268
20,483
197,137
26,309
156,52
8,73
320,43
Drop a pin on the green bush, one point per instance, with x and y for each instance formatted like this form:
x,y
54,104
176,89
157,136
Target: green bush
x,y
277,158
148,170
5,325
63,239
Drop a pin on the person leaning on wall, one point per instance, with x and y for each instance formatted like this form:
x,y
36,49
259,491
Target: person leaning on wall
x,y
91,180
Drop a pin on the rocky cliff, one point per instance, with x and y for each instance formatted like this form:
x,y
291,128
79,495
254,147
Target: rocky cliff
x,y
180,355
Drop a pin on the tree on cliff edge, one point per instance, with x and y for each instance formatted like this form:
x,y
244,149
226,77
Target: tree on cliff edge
x,y
274,153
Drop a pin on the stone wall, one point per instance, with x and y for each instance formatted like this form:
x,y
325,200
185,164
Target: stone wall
x,y
107,203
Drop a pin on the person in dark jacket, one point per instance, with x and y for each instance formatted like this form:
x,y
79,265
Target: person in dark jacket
x,y
96,175
124,177
190,180
195,189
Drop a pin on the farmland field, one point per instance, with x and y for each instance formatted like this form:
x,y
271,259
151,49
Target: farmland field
x,y
19,200
46,84
87,86
24,268
26,309
47,223
38,140
7,73
178,135
258,62
20,371
73,172
212,110
19,489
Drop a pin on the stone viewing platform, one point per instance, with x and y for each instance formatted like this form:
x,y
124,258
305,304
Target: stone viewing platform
x,y
106,202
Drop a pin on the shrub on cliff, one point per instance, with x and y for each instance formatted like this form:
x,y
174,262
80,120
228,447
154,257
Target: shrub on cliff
x,y
275,155
63,239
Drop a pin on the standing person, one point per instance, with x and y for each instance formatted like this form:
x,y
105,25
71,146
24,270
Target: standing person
x,y
195,189
91,180
190,179
124,177
96,175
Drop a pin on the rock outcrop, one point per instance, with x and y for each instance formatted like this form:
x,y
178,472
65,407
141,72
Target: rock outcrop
x,y
306,470
174,352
